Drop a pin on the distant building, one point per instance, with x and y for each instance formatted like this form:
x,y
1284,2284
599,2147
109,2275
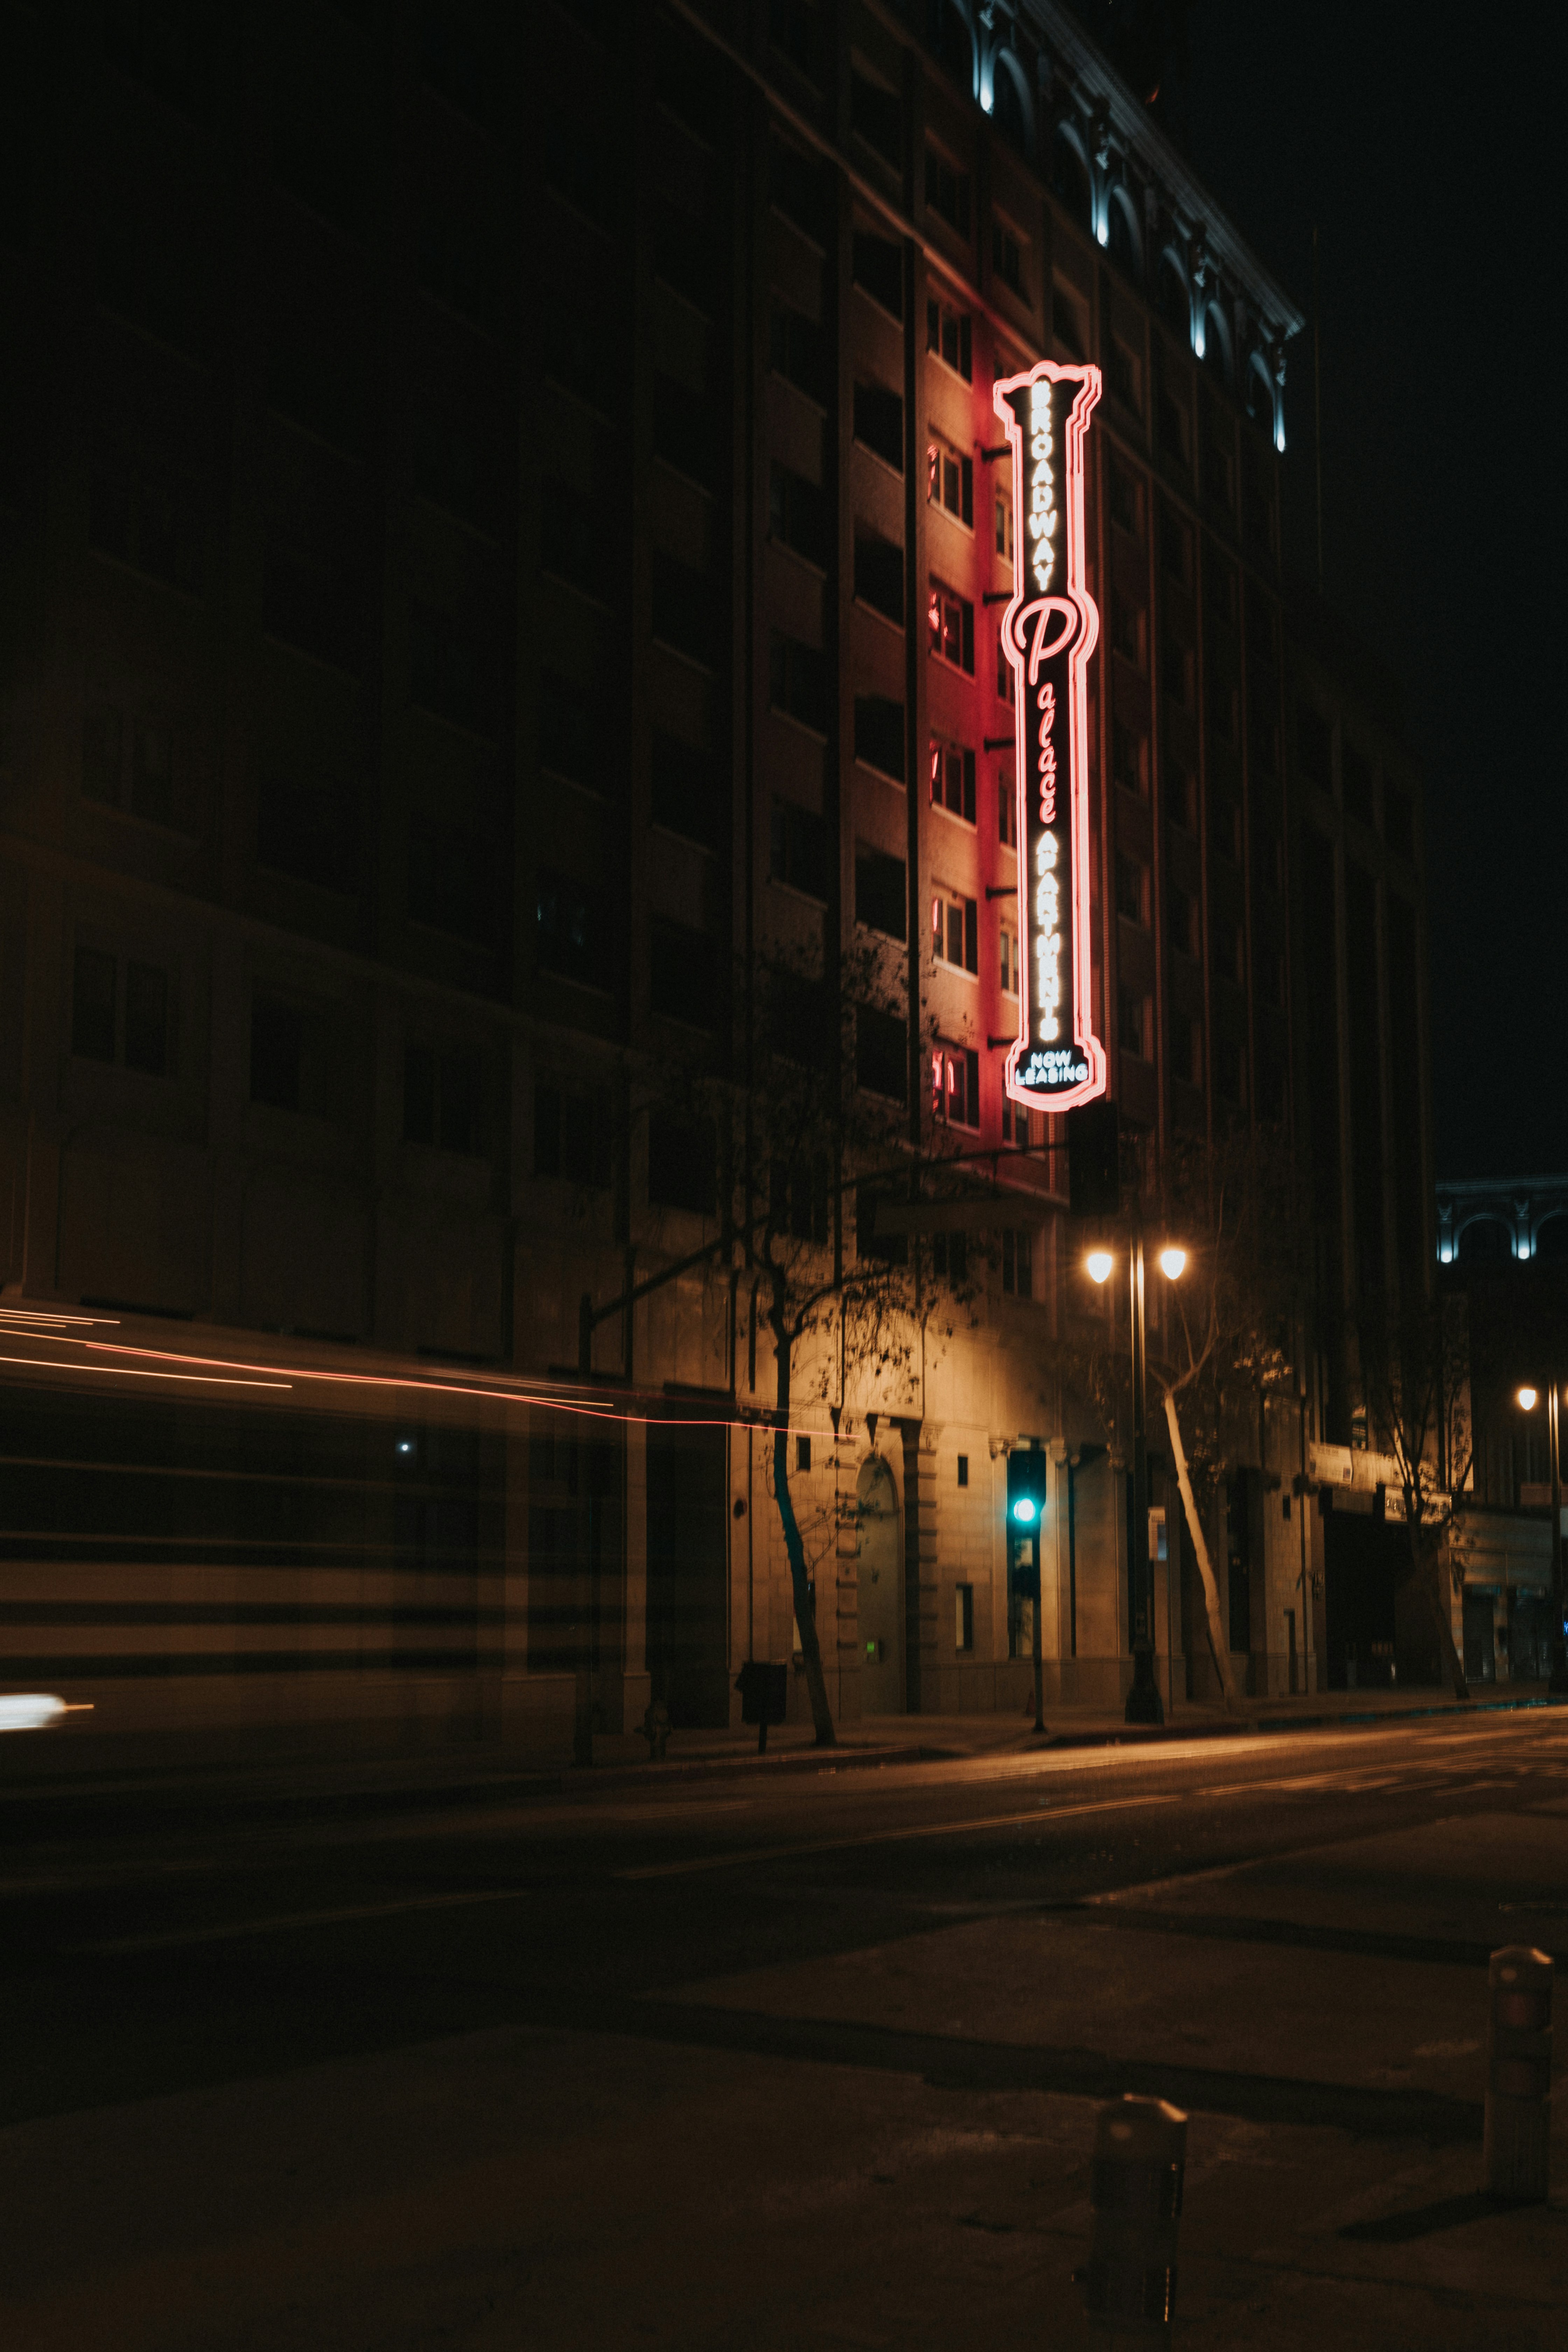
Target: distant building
x,y
501,522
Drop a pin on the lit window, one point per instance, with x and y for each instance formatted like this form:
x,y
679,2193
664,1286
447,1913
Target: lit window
x,y
1004,525
955,1086
951,619
955,931
950,480
952,781
948,335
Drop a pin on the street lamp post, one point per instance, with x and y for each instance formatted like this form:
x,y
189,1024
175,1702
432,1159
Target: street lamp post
x,y
1558,1685
1143,1701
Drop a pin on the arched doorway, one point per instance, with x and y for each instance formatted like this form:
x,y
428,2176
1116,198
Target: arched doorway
x,y
881,1581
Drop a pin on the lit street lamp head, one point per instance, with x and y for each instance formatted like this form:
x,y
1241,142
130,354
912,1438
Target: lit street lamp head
x,y
1172,1263
1099,1262
1527,1400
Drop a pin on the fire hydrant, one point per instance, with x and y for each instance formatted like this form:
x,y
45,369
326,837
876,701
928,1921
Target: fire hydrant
x,y
655,1731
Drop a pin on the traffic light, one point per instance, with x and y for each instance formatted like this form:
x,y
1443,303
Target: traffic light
x,y
1027,1472
1094,1160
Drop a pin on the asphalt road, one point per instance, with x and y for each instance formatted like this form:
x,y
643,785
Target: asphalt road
x,y
811,2057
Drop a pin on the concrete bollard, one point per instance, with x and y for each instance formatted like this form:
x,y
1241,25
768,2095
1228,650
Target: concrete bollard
x,y
1140,2156
1517,2150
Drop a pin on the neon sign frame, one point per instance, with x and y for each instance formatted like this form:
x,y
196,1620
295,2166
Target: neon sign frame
x,y
1049,630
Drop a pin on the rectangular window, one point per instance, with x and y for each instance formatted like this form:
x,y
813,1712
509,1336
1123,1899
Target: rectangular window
x,y
953,780
146,519
1175,547
881,1055
1228,946
1006,810
574,543
880,900
1230,1069
572,737
796,351
454,880
797,514
1129,759
146,1019
950,480
964,1469
1186,935
1126,500
879,424
947,192
688,614
798,849
950,622
1017,1262
451,670
879,575
682,1163
1182,798
1006,682
1015,1127
1176,670
955,1086
570,929
1004,526
877,116
799,189
1007,256
1225,828
277,1054
443,1100
1066,319
1128,630
1132,888
1125,370
683,974
879,735
1134,1023
950,1259
1009,959
797,682
573,1135
686,790
878,267
93,1005
948,335
954,931
964,1604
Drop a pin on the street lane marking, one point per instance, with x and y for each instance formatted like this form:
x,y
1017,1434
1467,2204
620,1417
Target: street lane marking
x,y
1038,1817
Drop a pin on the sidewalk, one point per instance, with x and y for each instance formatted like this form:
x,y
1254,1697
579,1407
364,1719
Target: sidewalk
x,y
52,1781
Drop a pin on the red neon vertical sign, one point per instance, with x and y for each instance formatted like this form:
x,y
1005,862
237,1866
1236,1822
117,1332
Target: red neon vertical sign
x,y
1048,632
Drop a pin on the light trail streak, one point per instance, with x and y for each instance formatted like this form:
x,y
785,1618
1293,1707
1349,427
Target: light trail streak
x,y
134,1372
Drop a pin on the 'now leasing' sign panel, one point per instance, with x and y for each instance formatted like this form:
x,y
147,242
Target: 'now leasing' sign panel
x,y
1049,631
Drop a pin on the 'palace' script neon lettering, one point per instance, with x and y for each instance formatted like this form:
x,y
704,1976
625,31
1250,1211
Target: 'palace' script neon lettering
x,y
1049,633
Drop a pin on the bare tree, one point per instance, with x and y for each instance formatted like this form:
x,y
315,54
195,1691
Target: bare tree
x,y
1415,1376
820,1129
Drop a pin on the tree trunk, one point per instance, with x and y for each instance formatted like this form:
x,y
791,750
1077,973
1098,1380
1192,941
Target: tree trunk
x,y
805,1607
1219,1641
1428,1573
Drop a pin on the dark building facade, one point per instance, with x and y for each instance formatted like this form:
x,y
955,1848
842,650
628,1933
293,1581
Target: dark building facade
x,y
502,530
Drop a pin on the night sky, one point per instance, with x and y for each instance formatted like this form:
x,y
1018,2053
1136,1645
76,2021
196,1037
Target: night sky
x,y
1427,150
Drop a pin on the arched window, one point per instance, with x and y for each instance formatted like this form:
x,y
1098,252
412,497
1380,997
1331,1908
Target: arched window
x,y
1485,1241
1170,296
1010,109
1551,1239
1070,178
1125,247
953,42
1217,343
